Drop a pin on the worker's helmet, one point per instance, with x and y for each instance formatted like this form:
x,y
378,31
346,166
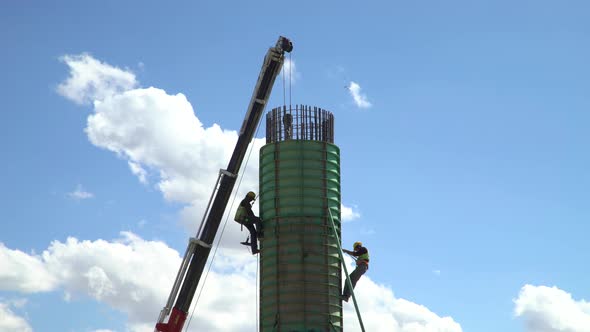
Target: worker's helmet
x,y
251,195
357,244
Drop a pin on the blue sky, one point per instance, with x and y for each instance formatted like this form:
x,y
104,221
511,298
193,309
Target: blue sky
x,y
465,167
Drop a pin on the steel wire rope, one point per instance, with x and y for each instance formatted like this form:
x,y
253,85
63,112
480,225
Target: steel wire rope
x,y
290,79
284,89
221,236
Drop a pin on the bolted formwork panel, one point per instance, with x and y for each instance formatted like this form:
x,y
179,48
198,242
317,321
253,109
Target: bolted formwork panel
x,y
300,273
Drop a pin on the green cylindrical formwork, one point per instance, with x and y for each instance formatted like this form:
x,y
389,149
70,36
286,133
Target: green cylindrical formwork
x,y
300,274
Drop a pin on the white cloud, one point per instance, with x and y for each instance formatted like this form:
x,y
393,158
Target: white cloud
x,y
383,312
23,272
92,80
80,193
153,130
290,71
349,213
135,276
130,274
138,171
11,322
550,309
108,272
360,99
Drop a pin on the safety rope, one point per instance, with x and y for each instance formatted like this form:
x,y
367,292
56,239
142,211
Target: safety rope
x,y
221,235
356,307
257,307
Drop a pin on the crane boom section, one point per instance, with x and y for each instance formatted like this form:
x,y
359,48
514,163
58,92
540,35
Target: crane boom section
x,y
199,248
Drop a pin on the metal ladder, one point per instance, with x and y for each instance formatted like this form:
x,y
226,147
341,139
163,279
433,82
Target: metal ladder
x,y
356,307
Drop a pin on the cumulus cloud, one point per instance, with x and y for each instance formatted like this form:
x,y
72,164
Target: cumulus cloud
x,y
550,309
92,80
11,322
22,272
80,193
360,99
383,312
155,131
108,271
135,276
349,213
129,274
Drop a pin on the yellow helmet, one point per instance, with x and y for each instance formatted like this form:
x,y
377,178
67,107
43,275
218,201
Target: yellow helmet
x,y
356,244
251,194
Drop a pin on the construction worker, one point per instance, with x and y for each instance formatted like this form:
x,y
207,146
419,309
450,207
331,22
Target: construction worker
x,y
288,123
362,265
245,216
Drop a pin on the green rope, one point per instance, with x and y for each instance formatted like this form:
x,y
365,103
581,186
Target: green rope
x,y
356,307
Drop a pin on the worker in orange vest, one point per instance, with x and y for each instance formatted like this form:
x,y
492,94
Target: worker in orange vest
x,y
362,265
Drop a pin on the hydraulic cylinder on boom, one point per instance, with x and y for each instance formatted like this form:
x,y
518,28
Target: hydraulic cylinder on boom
x,y
199,247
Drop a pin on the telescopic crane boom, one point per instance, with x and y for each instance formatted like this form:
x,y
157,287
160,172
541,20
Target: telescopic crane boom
x,y
199,247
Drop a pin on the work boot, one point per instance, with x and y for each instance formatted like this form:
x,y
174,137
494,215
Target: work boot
x,y
255,251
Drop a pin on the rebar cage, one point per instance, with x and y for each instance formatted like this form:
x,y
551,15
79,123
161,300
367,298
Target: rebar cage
x,y
300,123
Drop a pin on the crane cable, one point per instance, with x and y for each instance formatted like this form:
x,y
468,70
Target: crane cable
x,y
221,236
284,91
290,79
231,206
290,82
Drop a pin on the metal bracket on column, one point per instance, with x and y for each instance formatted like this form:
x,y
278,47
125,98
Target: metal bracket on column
x,y
199,242
228,173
